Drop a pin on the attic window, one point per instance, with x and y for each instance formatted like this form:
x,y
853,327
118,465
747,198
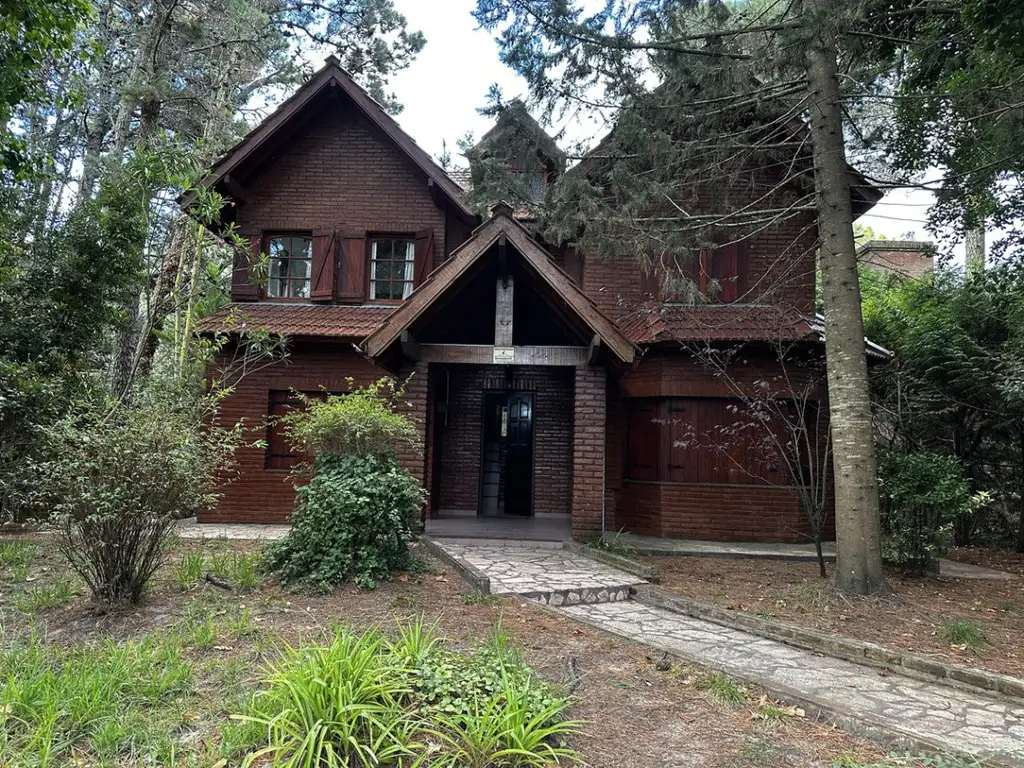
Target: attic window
x,y
533,180
392,268
290,266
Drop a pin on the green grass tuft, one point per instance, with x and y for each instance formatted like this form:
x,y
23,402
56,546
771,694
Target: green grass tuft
x,y
39,598
723,688
964,632
189,569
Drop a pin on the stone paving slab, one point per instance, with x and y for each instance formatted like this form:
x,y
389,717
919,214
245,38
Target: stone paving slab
x,y
190,529
542,571
943,718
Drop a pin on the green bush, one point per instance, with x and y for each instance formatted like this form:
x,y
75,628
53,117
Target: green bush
x,y
354,518
117,482
922,494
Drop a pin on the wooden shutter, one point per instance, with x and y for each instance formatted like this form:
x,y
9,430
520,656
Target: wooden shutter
x,y
650,282
742,270
642,440
352,258
243,288
322,283
424,256
680,464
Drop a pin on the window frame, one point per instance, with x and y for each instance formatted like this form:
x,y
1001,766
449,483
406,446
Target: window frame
x,y
371,243
699,273
265,248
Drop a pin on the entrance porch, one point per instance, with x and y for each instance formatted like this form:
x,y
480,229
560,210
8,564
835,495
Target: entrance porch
x,y
468,525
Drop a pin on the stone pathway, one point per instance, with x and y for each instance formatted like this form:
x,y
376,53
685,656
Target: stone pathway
x,y
543,574
926,714
190,529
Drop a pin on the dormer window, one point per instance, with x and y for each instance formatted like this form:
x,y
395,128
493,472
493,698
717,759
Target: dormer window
x,y
533,180
392,268
290,266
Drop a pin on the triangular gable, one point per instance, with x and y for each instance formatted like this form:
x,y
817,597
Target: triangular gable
x,y
486,235
332,75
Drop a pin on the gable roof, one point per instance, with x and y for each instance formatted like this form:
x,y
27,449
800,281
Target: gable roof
x,y
332,75
486,235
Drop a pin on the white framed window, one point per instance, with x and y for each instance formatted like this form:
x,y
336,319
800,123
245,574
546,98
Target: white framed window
x,y
392,267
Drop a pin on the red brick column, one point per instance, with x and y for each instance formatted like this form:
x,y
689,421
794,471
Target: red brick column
x,y
588,443
415,406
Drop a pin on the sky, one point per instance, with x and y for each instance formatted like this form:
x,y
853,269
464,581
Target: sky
x,y
449,80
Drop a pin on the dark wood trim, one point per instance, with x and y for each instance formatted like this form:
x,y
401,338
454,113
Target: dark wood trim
x,y
469,253
483,354
503,313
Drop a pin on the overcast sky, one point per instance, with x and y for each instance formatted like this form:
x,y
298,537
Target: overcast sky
x,y
449,80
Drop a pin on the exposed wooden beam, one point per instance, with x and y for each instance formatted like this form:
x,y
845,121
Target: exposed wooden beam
x,y
503,313
236,189
503,257
410,347
593,349
484,354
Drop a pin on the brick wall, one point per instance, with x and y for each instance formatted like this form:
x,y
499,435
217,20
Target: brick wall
x,y
909,258
781,267
552,433
588,452
694,510
258,495
340,169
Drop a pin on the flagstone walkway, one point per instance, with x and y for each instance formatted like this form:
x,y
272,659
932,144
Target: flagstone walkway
x,y
552,576
923,714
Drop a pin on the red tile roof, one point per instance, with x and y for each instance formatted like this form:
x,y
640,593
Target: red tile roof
x,y
329,320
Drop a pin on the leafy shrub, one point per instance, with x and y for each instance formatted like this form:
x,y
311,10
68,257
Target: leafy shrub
x,y
363,422
922,495
336,705
354,518
118,482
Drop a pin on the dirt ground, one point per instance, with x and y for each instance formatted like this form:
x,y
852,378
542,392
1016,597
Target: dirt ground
x,y
912,619
636,716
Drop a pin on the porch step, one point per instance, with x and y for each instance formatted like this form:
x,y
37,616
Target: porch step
x,y
580,596
542,574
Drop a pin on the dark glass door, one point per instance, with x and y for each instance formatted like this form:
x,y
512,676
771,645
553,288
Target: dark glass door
x,y
507,462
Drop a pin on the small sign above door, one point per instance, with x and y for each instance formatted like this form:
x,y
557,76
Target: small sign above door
x,y
504,355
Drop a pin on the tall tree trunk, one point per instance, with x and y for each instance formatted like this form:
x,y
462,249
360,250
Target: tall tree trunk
x,y
1020,488
974,245
858,534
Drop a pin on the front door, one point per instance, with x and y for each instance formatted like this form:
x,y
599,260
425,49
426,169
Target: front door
x,y
507,468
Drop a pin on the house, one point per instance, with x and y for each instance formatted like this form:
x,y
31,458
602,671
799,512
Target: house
x,y
544,383
906,258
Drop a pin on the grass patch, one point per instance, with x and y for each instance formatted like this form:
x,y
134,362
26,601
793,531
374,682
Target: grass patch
x,y
724,689
45,596
15,554
100,705
189,569
964,633
478,597
240,569
613,543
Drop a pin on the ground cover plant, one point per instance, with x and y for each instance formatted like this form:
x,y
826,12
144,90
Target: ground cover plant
x,y
217,648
